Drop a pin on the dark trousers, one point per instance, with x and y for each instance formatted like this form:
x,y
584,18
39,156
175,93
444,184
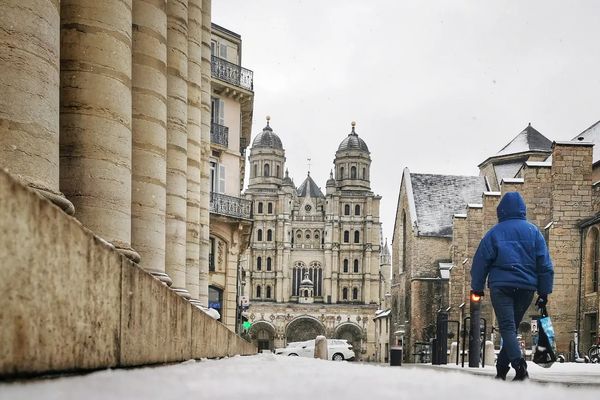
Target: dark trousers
x,y
510,305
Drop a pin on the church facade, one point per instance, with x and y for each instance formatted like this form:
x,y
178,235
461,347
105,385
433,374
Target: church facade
x,y
313,264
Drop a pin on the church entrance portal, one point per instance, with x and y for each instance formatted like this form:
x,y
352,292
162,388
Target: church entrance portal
x,y
304,328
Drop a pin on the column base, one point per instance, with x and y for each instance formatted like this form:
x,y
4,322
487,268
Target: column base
x,y
128,252
182,292
161,276
57,198
196,303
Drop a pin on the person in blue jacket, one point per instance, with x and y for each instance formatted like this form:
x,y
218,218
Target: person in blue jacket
x,y
514,259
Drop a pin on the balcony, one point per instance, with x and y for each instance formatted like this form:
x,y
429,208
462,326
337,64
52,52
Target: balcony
x,y
231,73
230,206
219,135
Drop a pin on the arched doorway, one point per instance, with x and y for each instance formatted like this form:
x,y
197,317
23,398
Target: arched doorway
x,y
353,334
262,334
304,328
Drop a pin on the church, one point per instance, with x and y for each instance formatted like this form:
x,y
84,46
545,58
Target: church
x,y
313,264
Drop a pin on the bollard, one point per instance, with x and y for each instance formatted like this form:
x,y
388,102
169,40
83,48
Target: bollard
x,y
490,355
475,332
396,356
321,348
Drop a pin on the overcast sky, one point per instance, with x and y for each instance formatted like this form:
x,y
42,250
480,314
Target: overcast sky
x,y
435,86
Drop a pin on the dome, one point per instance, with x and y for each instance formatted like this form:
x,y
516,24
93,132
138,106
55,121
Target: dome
x,y
353,142
267,138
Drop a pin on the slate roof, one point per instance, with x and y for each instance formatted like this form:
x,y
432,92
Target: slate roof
x,y
438,197
309,188
353,142
591,135
267,138
529,139
507,170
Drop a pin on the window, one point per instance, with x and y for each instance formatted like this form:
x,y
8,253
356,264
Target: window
x,y
347,209
269,235
403,240
357,210
217,177
353,172
345,265
356,237
355,266
315,274
345,294
299,235
269,263
595,262
211,255
259,235
267,170
217,111
260,208
270,208
307,235
258,263
278,169
346,236
255,170
316,235
364,173
341,172
355,294
268,292
258,292
215,299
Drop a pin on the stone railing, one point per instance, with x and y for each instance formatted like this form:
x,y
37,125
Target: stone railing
x,y
219,134
230,206
232,73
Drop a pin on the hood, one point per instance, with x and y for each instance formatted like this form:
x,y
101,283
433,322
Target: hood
x,y
512,206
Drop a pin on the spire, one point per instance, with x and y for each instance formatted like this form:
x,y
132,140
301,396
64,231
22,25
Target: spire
x,y
353,123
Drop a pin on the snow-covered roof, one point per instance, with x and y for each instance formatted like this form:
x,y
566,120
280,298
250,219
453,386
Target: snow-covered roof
x,y
529,139
591,135
382,313
437,198
507,170
309,188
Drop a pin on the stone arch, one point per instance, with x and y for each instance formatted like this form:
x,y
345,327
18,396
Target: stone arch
x,y
303,328
262,334
353,333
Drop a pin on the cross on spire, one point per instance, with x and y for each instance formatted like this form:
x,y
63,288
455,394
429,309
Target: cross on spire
x,y
309,160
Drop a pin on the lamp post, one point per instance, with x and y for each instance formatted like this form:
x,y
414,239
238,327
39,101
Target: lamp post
x,y
475,331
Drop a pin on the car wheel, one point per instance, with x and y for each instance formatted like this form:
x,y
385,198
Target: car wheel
x,y
292,354
338,357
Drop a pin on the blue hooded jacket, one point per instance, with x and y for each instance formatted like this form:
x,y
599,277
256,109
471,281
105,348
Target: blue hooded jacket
x,y
513,253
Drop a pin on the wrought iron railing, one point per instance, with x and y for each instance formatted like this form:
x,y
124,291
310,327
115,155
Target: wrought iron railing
x,y
230,206
232,73
219,134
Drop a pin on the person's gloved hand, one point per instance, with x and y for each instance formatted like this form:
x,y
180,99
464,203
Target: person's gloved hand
x,y
477,293
541,301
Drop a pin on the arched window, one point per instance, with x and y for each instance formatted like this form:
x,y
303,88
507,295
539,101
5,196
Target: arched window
x,y
270,208
307,234
341,172
403,241
345,293
355,266
258,292
258,263
347,209
594,263
269,263
269,235
345,265
365,177
356,237
267,170
278,171
259,235
346,236
260,207
357,210
268,292
353,172
355,294
315,274
255,170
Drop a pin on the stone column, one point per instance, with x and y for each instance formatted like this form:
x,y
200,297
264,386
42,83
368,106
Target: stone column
x,y
194,155
205,167
149,132
29,104
177,60
95,116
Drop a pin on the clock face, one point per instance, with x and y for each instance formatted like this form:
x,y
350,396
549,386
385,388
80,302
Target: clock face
x,y
308,207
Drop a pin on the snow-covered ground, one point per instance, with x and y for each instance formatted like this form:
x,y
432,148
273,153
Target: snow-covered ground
x,y
267,376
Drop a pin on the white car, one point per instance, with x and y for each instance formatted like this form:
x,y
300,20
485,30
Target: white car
x,y
337,349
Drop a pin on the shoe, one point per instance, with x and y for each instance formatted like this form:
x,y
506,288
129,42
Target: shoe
x,y
501,372
520,367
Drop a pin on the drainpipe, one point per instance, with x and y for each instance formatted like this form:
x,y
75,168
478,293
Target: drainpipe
x,y
579,289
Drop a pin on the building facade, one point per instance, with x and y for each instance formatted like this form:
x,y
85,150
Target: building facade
x,y
232,100
313,261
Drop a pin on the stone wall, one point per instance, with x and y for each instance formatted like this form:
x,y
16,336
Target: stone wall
x,y
71,302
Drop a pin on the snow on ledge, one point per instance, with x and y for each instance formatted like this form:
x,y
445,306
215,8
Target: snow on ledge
x,y
492,193
539,164
474,205
460,215
512,180
574,143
